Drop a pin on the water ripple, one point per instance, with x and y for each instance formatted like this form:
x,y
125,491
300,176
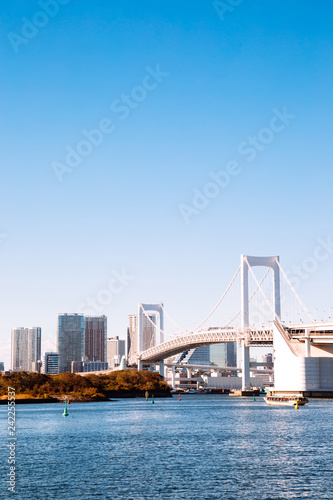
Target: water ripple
x,y
204,447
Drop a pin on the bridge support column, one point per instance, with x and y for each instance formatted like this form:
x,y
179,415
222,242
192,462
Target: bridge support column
x,y
162,368
189,372
245,367
140,330
173,379
140,365
307,343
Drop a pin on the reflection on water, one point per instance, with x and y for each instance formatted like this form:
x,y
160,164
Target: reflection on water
x,y
204,447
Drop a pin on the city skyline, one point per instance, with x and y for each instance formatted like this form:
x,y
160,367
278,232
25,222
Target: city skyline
x,y
219,144
85,349
93,344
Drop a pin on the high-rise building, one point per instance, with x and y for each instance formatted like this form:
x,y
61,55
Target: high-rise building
x,y
2,366
200,356
95,337
195,356
26,348
224,354
115,351
50,363
148,333
70,340
268,358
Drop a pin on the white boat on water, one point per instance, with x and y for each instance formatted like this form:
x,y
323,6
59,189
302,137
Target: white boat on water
x,y
286,400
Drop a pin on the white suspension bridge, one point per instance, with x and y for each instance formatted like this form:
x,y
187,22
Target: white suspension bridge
x,y
303,348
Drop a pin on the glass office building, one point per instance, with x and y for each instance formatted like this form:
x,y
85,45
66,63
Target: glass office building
x,y
95,328
50,363
224,354
70,340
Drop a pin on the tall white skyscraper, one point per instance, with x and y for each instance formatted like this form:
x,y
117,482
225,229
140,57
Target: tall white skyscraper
x,y
115,351
148,333
26,347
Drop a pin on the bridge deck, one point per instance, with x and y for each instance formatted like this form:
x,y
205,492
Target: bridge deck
x,y
319,333
202,338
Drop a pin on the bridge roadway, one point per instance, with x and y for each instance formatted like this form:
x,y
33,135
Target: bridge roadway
x,y
203,367
253,367
191,340
319,333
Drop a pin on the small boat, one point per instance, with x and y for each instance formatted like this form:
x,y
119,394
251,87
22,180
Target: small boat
x,y
286,400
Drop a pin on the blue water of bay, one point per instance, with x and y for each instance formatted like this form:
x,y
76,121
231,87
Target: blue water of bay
x,y
202,447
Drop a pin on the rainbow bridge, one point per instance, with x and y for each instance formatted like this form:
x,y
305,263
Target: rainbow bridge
x,y
303,350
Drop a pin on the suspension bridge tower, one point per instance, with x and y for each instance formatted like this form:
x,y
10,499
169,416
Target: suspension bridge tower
x,y
247,262
142,309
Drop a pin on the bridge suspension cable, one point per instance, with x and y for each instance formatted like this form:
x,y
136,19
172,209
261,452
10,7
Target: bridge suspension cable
x,y
172,321
219,302
255,291
294,291
149,319
182,330
206,318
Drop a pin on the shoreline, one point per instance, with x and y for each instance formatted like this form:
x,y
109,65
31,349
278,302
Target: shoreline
x,y
113,398
51,400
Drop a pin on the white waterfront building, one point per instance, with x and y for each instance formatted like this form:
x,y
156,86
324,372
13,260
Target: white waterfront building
x,y
115,351
25,348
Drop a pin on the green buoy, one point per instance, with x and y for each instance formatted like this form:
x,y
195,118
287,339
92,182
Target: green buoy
x,y
65,414
152,400
254,398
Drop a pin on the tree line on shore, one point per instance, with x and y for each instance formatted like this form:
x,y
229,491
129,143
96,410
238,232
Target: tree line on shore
x,y
88,387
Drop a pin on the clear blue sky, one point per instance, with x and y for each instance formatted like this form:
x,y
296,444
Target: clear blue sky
x,y
119,208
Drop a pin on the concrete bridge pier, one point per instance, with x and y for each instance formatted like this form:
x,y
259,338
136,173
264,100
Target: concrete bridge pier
x,y
307,343
162,368
245,366
173,379
140,365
